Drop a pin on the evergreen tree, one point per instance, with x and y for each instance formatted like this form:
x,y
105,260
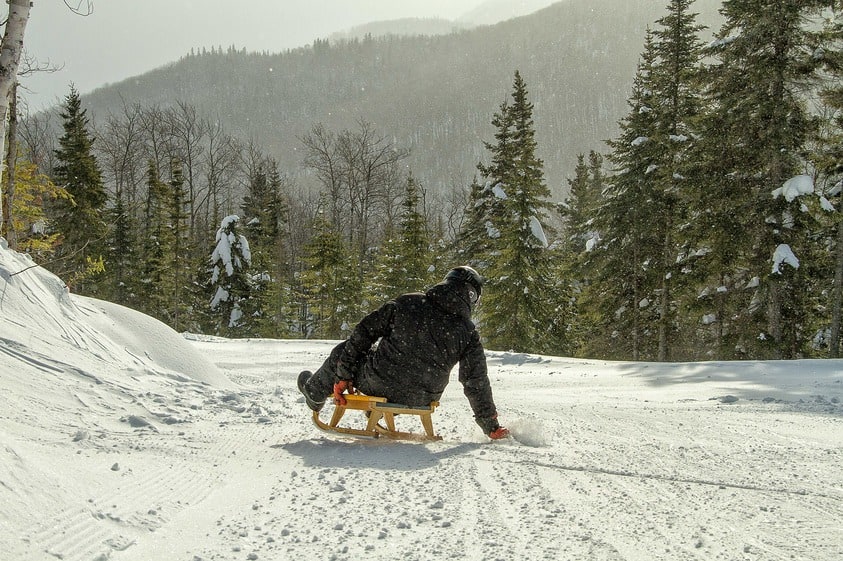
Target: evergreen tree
x,y
266,213
750,143
579,236
675,80
156,285
524,307
328,282
830,166
79,219
122,255
179,258
642,220
622,281
474,243
230,282
405,260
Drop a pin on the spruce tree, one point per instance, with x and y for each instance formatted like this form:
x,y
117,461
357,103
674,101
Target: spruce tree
x,y
622,282
266,215
405,259
156,284
230,283
830,167
578,238
643,218
525,306
179,258
751,139
122,255
79,259
328,282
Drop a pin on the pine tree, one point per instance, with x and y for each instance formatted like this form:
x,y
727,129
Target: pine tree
x,y
474,244
79,219
642,220
830,166
405,260
230,283
266,214
327,282
156,286
579,236
525,306
179,258
122,255
750,143
584,196
675,80
622,281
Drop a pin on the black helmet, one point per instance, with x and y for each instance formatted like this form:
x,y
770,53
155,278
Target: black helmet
x,y
466,274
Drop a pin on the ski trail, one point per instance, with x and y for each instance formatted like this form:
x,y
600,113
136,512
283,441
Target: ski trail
x,y
140,503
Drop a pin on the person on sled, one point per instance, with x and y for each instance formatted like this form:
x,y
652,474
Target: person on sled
x,y
405,350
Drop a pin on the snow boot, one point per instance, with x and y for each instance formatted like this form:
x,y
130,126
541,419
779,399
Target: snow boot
x,y
314,405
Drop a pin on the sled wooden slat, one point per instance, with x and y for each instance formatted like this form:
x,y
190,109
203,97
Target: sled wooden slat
x,y
378,408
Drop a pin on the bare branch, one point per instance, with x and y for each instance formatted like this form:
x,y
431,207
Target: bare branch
x,y
78,10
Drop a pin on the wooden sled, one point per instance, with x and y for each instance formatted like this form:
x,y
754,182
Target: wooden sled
x,y
378,408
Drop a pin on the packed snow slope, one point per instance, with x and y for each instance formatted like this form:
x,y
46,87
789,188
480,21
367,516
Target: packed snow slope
x,y
123,440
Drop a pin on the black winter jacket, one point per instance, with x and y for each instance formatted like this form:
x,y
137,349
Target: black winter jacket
x,y
420,338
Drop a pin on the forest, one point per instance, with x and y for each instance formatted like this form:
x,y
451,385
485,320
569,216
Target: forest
x,y
706,227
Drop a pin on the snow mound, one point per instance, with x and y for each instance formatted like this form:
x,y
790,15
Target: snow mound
x,y
39,317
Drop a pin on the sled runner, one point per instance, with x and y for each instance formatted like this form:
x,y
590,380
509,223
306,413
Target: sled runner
x,y
377,408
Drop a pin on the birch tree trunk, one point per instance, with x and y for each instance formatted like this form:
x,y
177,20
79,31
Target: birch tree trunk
x,y
10,52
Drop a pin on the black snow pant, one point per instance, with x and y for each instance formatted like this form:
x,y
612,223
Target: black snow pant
x,y
321,384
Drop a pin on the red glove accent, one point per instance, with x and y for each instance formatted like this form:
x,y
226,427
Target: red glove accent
x,y
339,388
499,433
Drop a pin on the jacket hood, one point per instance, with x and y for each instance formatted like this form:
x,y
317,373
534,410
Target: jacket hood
x,y
452,297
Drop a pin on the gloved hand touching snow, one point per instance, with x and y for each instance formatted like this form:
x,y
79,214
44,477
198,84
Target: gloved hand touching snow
x,y
499,433
492,428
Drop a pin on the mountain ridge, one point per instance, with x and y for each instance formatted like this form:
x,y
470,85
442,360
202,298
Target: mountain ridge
x,y
432,94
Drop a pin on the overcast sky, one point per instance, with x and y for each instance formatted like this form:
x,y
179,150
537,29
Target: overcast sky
x,y
124,38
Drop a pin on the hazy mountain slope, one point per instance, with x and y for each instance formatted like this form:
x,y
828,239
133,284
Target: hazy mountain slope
x,y
405,26
434,95
494,11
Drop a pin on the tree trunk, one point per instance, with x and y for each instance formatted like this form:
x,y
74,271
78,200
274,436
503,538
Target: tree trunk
x,y
11,159
10,52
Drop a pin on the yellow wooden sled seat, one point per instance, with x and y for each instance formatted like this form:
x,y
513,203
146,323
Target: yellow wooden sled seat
x,y
378,408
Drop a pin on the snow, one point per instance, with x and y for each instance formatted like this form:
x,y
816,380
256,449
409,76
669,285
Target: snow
x,y
121,439
783,254
537,231
498,191
795,187
226,239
